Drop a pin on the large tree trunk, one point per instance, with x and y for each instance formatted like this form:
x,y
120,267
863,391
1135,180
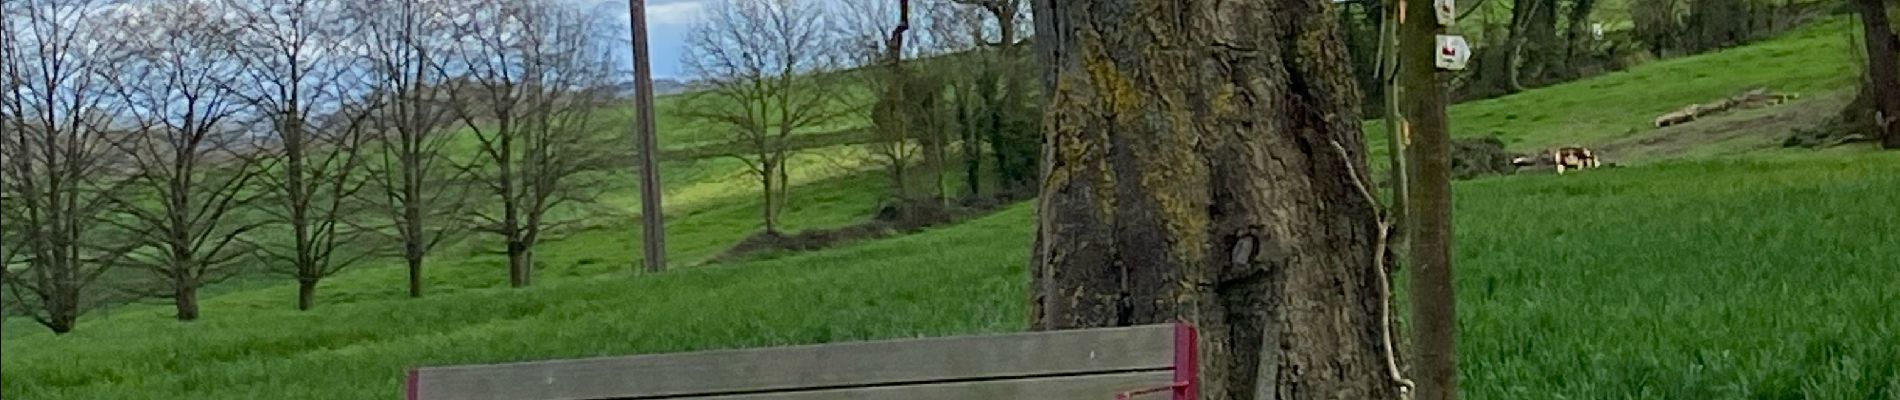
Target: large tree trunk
x,y
1208,166
1883,70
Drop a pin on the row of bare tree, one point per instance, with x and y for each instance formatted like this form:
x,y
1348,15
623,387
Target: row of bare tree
x,y
195,140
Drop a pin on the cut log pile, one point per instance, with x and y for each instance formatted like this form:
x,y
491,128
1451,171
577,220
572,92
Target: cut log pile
x,y
1755,98
1562,158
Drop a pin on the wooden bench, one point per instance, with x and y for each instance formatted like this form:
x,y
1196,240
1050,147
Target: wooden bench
x,y
1155,361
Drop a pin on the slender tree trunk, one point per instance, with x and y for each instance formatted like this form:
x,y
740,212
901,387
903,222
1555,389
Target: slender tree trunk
x,y
1209,167
413,255
1007,86
993,124
898,185
415,244
784,188
767,177
527,262
896,99
1883,70
933,158
1395,137
306,294
297,195
517,262
972,144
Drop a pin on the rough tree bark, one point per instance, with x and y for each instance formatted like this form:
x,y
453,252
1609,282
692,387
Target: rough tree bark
x,y
1883,70
1206,164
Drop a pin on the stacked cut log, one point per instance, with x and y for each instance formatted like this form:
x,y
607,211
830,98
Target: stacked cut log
x,y
1756,98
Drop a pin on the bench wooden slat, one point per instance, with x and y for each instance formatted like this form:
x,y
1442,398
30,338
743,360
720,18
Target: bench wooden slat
x,y
1087,387
1095,351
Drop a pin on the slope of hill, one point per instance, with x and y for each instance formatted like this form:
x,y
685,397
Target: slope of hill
x,y
1754,276
1814,62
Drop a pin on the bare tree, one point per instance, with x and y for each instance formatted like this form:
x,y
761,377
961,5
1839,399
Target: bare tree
x,y
299,68
961,31
877,31
404,39
56,115
993,106
764,64
187,159
531,76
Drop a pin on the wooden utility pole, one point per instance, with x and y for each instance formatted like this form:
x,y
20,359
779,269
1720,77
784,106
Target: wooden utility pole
x,y
1434,305
652,218
1883,70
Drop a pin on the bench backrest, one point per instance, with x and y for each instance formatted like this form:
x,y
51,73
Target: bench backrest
x,y
1093,364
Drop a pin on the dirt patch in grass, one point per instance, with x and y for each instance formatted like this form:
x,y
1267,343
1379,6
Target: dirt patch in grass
x,y
892,219
1739,132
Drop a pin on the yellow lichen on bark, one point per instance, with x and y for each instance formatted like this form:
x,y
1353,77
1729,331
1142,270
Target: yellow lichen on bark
x,y
1112,86
1176,179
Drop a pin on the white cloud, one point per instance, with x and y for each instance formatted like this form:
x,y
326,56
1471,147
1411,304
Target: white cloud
x,y
682,12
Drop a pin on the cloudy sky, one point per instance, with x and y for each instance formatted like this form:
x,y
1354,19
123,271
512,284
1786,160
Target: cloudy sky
x,y
667,21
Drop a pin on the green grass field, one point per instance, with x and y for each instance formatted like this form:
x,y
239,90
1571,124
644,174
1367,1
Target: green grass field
x,y
1767,276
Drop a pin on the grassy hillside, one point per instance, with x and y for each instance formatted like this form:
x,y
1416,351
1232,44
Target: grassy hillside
x,y
1764,276
1811,61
